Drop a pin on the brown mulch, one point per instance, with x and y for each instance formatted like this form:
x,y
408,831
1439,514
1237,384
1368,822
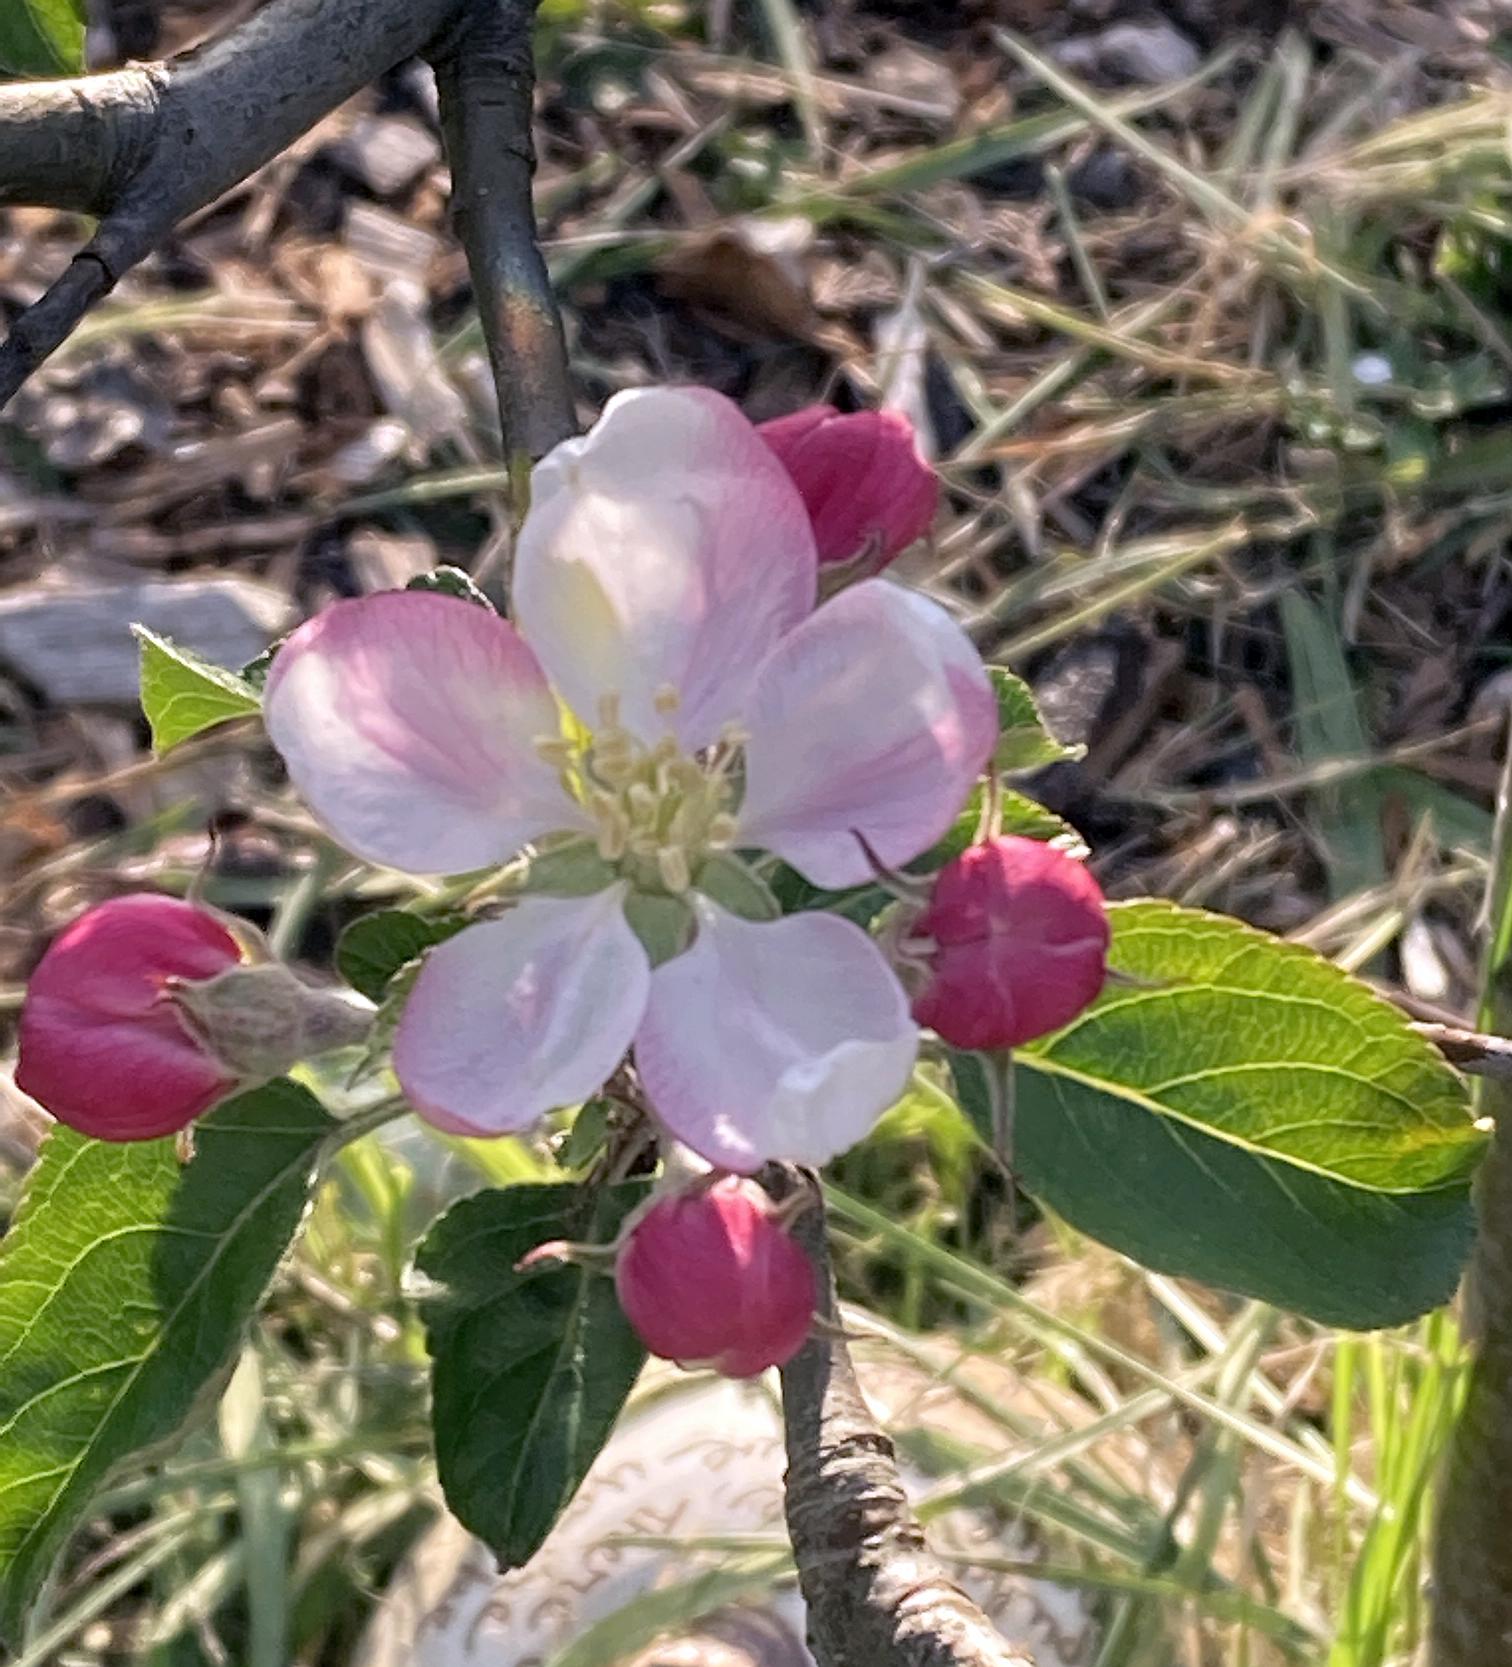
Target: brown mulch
x,y
270,395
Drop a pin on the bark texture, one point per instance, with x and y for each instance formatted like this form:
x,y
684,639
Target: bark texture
x,y
1471,1623
486,79
875,1593
148,146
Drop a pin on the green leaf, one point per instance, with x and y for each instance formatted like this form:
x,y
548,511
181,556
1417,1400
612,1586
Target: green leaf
x,y
125,1286
1271,1047
183,694
1026,817
1249,1115
41,38
255,673
1024,741
585,1139
372,950
530,1369
451,581
1187,1204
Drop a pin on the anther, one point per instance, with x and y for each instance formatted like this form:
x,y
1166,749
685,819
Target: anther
x,y
554,749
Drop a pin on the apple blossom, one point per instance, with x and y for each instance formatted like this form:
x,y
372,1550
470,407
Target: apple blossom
x,y
664,594
868,492
709,1276
1015,942
102,1044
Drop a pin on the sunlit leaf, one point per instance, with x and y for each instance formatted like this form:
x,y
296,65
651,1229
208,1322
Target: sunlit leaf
x,y
1245,1113
125,1285
1024,739
183,694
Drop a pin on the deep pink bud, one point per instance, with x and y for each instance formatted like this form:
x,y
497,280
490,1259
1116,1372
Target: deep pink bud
x,y
711,1277
103,1046
867,490
1018,936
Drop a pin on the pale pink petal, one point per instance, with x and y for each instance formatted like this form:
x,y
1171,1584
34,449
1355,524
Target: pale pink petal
x,y
874,715
408,722
518,1015
784,1039
666,547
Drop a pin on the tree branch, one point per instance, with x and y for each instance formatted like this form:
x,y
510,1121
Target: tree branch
x,y
1471,1620
69,144
147,147
875,1592
1471,1051
486,81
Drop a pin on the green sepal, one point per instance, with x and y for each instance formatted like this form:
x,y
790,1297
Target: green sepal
x,y
664,924
725,879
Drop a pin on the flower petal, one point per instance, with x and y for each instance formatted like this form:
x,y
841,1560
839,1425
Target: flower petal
x,y
408,721
667,546
775,1040
515,1016
873,715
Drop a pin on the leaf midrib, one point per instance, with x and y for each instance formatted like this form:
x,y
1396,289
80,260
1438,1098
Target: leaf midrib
x,y
1052,1067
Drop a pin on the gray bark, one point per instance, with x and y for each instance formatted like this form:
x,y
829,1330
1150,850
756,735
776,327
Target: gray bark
x,y
874,1591
486,78
148,146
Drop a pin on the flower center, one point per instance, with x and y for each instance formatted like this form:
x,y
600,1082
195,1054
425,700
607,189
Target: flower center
x,y
658,811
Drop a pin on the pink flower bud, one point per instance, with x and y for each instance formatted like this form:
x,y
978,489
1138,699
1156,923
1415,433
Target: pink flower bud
x,y
710,1277
1017,944
868,491
103,1046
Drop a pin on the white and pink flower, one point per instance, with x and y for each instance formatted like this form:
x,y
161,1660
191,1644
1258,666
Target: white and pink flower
x,y
669,692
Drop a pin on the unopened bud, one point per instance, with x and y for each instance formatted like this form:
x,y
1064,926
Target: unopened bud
x,y
1013,943
142,1015
102,1045
868,491
710,1276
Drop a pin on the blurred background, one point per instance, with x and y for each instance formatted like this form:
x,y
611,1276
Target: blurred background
x,y
1205,313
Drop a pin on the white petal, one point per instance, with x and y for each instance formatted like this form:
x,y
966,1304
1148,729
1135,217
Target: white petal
x,y
516,1016
666,547
874,715
779,1040
408,721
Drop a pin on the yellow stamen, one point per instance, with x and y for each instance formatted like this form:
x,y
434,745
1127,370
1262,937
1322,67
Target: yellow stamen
x,y
657,812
